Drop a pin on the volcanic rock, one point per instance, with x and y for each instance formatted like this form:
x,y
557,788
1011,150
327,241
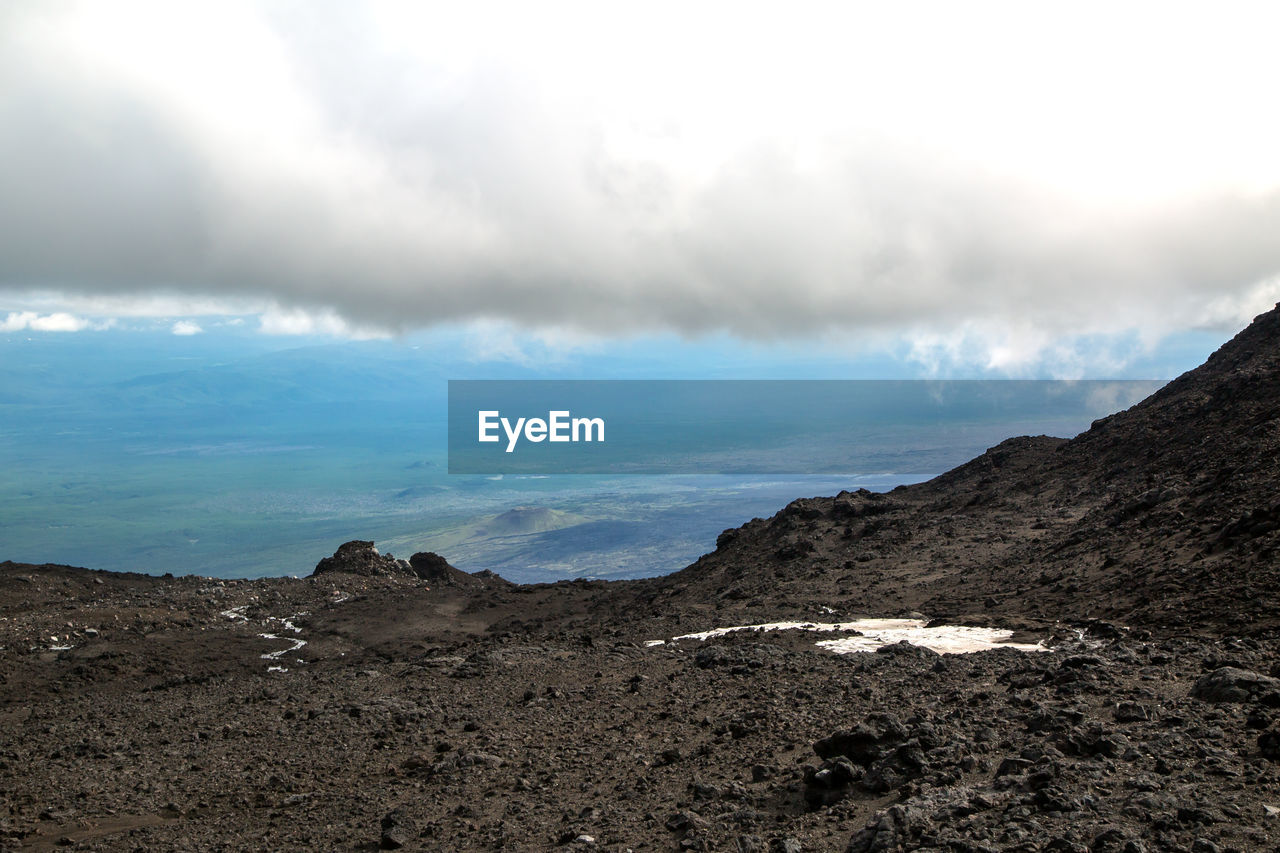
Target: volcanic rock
x,y
1230,684
1269,744
431,567
359,557
868,742
397,829
436,571
831,782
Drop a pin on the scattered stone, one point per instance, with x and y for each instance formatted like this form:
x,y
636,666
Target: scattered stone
x,y
685,821
888,831
868,742
1230,684
903,649
397,829
1269,744
830,783
1013,767
1132,712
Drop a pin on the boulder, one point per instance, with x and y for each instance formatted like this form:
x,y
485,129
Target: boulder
x,y
359,557
830,783
871,740
398,829
1230,684
1269,744
436,571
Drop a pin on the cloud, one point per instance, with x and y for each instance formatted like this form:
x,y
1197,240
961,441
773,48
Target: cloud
x,y
17,321
296,321
1023,351
386,167
159,305
494,341
186,327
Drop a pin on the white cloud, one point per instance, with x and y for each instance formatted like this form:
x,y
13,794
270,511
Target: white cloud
x,y
1024,351
499,341
186,327
17,321
297,321
837,168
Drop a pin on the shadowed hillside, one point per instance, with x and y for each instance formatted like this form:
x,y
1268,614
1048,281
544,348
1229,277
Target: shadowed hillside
x,y
1164,514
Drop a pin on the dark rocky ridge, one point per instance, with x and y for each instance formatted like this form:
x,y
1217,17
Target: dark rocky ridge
x,y
360,557
1166,514
434,710
436,570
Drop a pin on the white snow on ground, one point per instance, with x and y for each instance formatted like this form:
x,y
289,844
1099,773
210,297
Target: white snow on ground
x,y
943,639
874,633
237,614
287,621
862,625
297,644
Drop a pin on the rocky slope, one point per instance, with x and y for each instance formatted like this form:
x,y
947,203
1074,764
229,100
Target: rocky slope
x,y
1165,514
397,704
182,714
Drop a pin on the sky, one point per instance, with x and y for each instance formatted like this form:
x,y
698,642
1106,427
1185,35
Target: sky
x,y
1051,186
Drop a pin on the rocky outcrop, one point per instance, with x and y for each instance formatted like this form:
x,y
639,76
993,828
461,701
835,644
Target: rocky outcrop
x,y
430,566
435,570
359,557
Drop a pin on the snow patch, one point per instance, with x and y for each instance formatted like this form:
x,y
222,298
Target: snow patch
x,y
287,621
943,639
871,634
296,644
